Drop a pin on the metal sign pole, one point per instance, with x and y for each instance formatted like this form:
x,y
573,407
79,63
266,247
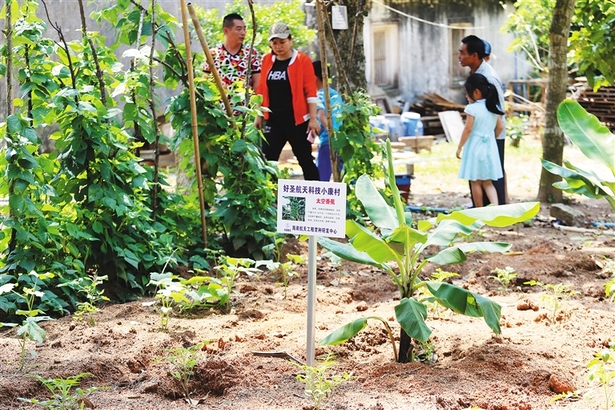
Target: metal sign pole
x,y
311,300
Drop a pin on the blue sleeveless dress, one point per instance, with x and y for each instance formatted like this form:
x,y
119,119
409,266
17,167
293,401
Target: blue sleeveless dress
x,y
480,159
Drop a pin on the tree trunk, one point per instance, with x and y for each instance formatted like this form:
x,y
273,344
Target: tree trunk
x,y
351,42
405,347
553,137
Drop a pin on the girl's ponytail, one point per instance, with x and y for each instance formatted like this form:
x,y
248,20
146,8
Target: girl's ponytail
x,y
492,99
488,91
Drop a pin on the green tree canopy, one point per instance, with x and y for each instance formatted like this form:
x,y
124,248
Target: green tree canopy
x,y
591,41
290,13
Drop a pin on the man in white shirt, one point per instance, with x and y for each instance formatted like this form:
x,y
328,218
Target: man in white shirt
x,y
472,54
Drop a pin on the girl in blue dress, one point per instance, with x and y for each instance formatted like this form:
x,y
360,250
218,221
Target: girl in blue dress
x,y
480,163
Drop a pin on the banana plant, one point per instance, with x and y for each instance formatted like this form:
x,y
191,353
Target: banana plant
x,y
596,142
402,249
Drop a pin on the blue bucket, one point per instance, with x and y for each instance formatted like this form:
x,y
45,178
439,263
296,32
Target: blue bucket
x,y
403,183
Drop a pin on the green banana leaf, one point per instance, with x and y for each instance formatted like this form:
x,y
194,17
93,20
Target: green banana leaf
x,y
406,234
578,181
411,315
594,140
467,303
448,230
349,253
364,240
457,254
342,334
497,216
380,213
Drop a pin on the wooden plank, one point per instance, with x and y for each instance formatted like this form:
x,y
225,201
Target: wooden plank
x,y
452,124
418,143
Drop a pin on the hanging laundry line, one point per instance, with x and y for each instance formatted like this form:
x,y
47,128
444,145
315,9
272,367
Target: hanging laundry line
x,y
427,21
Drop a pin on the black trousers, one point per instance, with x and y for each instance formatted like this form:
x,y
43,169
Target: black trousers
x,y
499,183
278,130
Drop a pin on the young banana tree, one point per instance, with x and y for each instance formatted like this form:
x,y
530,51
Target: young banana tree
x,y
596,142
402,249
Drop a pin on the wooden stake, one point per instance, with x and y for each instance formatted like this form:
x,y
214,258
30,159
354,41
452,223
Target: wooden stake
x,y
195,130
210,61
325,85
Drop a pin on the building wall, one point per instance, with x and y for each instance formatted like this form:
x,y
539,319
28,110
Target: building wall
x,y
420,55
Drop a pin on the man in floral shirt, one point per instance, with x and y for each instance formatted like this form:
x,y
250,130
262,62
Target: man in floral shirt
x,y
231,58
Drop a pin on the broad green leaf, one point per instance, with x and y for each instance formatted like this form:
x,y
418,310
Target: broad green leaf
x,y
407,234
577,181
492,312
498,216
13,124
239,146
364,240
467,303
448,230
489,247
32,329
379,212
348,252
342,334
411,315
448,256
457,254
586,132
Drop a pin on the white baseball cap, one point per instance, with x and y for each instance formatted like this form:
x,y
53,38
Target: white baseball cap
x,y
279,30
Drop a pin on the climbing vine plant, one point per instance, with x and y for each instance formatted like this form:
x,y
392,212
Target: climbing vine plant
x,y
90,204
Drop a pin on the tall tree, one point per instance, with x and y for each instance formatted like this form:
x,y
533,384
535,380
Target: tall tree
x,y
553,137
593,40
351,41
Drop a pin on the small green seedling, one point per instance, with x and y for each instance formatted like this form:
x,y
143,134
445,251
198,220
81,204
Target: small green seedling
x,y
199,290
274,248
89,287
183,360
610,289
504,277
601,370
554,295
424,352
608,267
336,263
29,328
318,386
168,290
286,270
231,269
62,395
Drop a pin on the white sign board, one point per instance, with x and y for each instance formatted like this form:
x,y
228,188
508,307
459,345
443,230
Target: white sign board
x,y
312,208
339,18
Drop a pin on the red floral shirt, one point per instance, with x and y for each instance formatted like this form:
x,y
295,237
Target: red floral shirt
x,y
234,67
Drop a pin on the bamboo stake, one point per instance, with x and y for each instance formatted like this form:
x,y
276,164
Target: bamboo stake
x,y
195,131
325,85
9,59
210,61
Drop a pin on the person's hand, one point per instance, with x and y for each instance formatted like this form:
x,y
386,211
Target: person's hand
x,y
258,122
459,152
314,126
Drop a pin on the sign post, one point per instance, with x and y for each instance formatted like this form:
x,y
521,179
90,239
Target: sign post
x,y
311,208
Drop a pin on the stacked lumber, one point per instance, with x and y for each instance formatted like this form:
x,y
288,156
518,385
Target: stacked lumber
x,y
430,104
600,103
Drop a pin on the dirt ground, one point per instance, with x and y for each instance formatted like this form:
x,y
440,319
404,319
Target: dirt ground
x,y
472,367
